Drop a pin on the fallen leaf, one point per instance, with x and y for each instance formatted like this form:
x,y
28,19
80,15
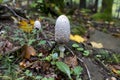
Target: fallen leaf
x,y
15,19
77,38
117,72
7,46
28,51
71,61
32,22
22,64
25,26
37,65
96,45
46,66
116,67
23,23
116,35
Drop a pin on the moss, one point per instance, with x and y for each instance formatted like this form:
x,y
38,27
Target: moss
x,y
101,17
106,12
79,30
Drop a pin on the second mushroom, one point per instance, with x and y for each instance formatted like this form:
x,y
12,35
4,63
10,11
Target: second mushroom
x,y
62,33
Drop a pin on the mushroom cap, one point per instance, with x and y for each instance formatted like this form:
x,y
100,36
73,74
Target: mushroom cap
x,y
62,29
37,25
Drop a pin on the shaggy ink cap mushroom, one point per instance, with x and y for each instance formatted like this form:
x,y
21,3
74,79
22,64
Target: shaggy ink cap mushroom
x,y
37,25
62,29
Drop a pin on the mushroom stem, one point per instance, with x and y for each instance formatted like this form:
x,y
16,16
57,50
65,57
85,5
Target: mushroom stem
x,y
62,49
37,35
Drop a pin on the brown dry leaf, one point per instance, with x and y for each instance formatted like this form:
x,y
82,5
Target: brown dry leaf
x,y
45,66
116,35
7,46
71,61
96,45
37,65
28,51
116,67
51,75
22,64
114,70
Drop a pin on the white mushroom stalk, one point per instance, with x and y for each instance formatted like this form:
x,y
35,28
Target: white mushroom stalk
x,y
62,32
62,49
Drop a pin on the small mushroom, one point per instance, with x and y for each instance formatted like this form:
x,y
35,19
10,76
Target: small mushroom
x,y
37,26
62,32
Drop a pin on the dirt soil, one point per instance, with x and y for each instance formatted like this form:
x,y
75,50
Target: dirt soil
x,y
108,41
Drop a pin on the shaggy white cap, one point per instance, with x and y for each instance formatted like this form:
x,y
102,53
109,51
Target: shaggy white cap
x,y
62,29
37,25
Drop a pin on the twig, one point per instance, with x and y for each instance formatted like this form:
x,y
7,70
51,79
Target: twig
x,y
70,50
13,12
88,73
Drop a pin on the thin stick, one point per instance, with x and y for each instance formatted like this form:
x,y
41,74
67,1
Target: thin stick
x,y
88,72
13,12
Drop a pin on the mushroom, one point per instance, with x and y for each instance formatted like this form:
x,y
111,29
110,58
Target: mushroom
x,y
62,32
37,26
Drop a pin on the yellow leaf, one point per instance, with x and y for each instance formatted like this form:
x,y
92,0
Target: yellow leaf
x,y
32,22
25,26
96,45
77,38
23,23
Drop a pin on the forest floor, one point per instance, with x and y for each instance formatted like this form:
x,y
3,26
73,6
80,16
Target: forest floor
x,y
102,61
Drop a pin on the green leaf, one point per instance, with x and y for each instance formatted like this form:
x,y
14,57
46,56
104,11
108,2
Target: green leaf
x,y
28,73
64,68
75,45
40,54
47,78
42,42
80,49
86,53
33,5
118,71
31,41
77,70
38,77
